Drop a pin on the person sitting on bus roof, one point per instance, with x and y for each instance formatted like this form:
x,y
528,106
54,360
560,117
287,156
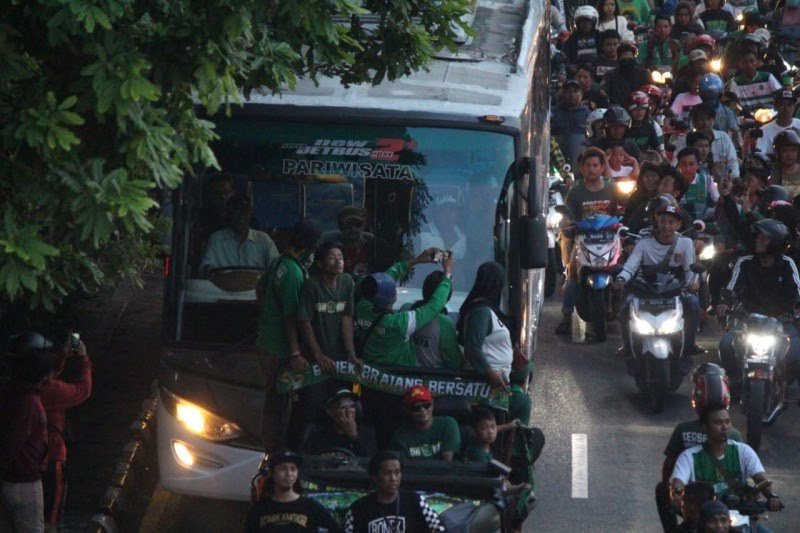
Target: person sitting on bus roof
x,y
385,336
422,435
443,231
436,343
278,295
342,430
238,245
358,245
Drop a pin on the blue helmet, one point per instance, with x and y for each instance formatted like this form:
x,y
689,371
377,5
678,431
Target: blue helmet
x,y
380,289
710,86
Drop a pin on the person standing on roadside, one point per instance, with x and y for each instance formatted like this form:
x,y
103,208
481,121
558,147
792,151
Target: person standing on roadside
x,y
278,295
390,508
23,441
58,396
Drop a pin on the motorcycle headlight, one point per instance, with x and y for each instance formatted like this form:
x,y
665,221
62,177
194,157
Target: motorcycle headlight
x,y
197,420
708,253
554,218
626,186
760,344
642,326
670,325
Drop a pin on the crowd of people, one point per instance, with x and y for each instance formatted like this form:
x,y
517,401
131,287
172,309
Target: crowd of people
x,y
695,104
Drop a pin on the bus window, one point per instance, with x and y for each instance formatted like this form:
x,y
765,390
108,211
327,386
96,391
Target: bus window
x,y
383,191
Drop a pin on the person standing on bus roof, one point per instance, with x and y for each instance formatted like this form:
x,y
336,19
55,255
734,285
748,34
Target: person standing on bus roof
x,y
278,294
238,245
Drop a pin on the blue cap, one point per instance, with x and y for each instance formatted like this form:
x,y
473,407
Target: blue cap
x,y
385,290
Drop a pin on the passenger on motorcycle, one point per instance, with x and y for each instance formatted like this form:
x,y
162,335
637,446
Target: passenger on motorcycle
x,y
581,46
607,59
685,101
617,121
652,251
646,190
718,460
685,25
725,119
786,170
767,283
644,130
593,96
723,152
592,195
621,166
753,87
709,391
627,77
785,104
786,18
568,119
702,193
660,51
610,19
702,143
715,18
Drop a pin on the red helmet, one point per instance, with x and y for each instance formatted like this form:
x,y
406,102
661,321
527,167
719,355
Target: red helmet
x,y
638,99
710,388
652,91
703,40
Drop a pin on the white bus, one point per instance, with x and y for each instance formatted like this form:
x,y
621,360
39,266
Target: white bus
x,y
455,156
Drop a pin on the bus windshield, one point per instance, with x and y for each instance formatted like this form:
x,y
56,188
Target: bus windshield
x,y
384,192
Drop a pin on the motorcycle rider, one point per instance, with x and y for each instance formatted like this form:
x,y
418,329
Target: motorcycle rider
x,y
644,130
709,391
723,151
660,51
725,119
786,171
617,121
581,46
627,77
767,283
568,119
651,251
592,195
785,104
753,87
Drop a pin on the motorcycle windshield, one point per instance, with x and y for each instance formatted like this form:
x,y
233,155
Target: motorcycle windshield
x,y
597,223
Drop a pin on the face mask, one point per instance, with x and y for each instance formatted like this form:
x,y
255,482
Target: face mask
x,y
628,63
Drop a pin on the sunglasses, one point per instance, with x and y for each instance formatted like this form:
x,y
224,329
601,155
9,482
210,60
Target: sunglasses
x,y
417,407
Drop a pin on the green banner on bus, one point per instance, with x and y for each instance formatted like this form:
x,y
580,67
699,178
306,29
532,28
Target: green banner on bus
x,y
373,377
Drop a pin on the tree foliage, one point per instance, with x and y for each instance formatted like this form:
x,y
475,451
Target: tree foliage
x,y
100,103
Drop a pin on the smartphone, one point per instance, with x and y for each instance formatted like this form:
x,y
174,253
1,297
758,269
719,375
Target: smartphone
x,y
75,341
437,256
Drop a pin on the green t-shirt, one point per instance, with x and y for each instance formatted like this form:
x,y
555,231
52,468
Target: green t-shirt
x,y
739,461
389,343
688,434
324,307
520,405
281,283
476,453
636,10
442,436
436,344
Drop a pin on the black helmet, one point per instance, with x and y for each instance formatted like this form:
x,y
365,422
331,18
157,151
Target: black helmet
x,y
709,388
617,115
25,341
786,138
776,231
772,193
659,201
757,163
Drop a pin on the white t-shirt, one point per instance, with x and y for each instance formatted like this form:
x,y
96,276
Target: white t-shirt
x,y
722,149
620,24
771,130
684,103
749,464
649,252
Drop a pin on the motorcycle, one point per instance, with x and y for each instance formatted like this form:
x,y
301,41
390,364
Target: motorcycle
x,y
761,346
557,191
597,252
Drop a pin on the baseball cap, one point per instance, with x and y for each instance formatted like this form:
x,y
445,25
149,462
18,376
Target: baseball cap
x,y
340,394
417,394
763,34
352,212
572,83
284,456
785,94
697,55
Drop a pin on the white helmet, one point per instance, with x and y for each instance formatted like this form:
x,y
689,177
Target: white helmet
x,y
587,12
594,116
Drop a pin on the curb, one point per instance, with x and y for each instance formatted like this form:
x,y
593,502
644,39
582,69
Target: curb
x,y
134,477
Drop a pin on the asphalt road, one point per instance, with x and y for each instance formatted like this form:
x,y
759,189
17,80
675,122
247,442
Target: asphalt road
x,y
585,402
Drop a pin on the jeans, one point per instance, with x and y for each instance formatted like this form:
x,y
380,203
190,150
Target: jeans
x,y
691,319
733,366
570,296
24,504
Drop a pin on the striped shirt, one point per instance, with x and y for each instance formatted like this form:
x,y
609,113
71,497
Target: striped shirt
x,y
756,92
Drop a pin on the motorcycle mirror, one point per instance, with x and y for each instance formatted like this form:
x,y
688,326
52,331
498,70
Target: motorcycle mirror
x,y
623,231
617,270
562,209
699,225
697,268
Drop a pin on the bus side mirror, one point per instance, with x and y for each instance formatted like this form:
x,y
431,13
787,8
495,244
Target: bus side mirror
x,y
532,242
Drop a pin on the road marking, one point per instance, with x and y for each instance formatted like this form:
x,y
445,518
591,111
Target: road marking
x,y
580,466
155,509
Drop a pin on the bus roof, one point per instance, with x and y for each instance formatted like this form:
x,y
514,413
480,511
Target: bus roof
x,y
489,75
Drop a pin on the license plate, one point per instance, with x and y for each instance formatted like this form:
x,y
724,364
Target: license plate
x,y
657,305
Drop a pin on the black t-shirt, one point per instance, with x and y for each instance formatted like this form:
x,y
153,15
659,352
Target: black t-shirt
x,y
302,514
325,439
409,513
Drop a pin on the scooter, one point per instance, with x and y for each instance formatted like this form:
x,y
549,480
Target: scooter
x,y
761,346
557,191
597,252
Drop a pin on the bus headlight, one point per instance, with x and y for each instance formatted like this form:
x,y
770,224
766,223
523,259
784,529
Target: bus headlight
x,y
760,344
198,421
